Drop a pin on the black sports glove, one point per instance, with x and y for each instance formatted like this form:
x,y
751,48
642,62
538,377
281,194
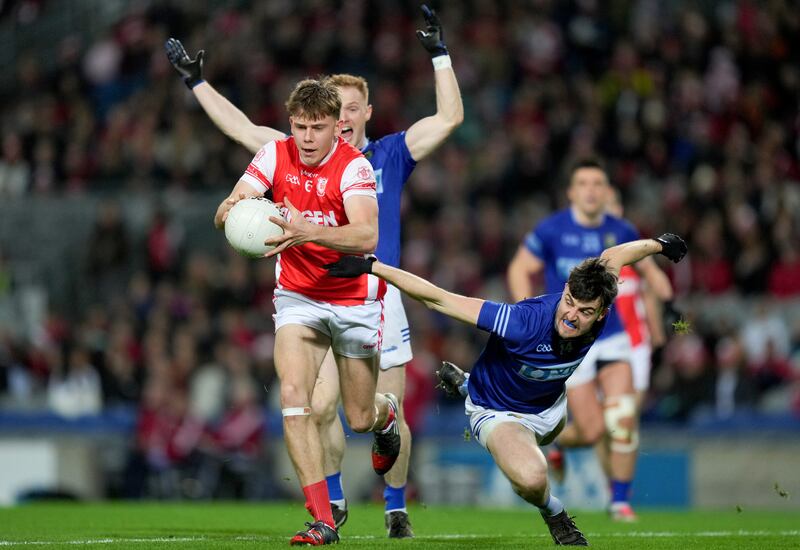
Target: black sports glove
x,y
432,37
191,69
351,266
672,247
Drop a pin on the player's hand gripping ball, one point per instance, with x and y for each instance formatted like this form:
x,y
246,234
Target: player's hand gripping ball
x,y
248,226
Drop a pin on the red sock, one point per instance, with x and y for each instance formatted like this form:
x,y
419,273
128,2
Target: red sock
x,y
317,502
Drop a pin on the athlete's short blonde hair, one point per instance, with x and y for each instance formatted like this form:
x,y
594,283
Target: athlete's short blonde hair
x,y
352,81
315,99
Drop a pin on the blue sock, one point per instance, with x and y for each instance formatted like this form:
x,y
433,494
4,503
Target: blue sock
x,y
335,491
553,506
620,491
395,498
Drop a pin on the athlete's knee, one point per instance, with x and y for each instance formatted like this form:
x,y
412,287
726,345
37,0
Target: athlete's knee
x,y
325,407
360,419
620,418
293,395
530,484
591,430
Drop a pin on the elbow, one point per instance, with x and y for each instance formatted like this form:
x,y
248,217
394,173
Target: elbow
x,y
370,244
606,255
454,120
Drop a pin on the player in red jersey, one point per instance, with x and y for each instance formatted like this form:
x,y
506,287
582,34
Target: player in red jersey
x,y
328,192
393,158
640,312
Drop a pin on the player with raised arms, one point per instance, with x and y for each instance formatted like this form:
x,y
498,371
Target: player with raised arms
x,y
393,158
557,244
517,399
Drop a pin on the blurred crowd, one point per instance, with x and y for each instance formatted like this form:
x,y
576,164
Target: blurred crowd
x,y
694,106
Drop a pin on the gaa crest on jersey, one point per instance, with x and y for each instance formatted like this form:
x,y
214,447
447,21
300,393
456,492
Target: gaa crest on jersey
x,y
321,183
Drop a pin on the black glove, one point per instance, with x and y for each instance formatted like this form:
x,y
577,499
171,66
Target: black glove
x,y
672,247
432,37
191,69
351,266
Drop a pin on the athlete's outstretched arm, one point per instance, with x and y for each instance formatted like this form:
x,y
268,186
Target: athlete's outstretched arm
x,y
523,266
425,135
456,306
224,114
656,279
671,246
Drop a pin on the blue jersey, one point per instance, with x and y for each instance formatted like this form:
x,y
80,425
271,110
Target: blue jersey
x,y
525,363
392,162
561,243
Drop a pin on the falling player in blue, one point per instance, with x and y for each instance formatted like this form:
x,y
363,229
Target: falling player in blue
x,y
393,158
555,245
517,397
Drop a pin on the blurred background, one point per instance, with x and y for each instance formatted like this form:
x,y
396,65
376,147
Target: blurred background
x,y
136,348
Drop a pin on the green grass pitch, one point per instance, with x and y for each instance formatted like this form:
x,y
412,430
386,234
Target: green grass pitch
x,y
179,526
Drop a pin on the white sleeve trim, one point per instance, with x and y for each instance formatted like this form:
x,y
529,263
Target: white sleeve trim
x,y
260,173
359,171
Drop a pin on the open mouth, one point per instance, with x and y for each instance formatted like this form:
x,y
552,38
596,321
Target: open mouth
x,y
308,152
347,132
569,325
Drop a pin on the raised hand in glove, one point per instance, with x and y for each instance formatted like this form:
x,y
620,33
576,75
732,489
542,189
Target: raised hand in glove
x,y
672,246
351,266
432,37
190,69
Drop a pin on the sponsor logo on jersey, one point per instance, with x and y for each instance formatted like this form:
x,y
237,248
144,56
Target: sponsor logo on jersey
x,y
545,373
321,218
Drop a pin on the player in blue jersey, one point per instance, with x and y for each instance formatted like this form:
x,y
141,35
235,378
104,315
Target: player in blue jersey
x,y
517,398
393,158
555,245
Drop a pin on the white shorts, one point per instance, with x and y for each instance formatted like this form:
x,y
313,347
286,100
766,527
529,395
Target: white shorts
x,y
396,350
355,331
640,365
608,350
483,421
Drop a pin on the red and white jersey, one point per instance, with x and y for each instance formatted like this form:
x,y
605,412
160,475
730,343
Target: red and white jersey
x,y
630,306
319,192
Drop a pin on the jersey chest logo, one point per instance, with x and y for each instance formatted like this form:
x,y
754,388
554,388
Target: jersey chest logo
x,y
321,183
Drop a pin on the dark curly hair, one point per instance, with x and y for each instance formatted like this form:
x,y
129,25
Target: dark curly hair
x,y
591,280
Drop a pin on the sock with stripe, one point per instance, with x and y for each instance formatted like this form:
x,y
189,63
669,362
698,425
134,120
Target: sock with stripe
x,y
395,498
335,490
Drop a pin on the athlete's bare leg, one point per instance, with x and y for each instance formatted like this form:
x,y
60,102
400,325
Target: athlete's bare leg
x,y
393,381
325,411
616,383
299,351
586,426
364,409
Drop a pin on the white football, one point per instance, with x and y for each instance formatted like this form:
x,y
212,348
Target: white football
x,y
248,226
